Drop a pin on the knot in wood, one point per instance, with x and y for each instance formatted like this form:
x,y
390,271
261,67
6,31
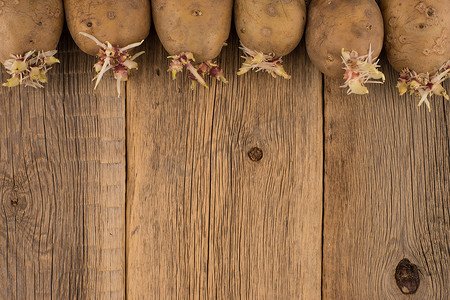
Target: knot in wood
x,y
407,277
14,196
255,154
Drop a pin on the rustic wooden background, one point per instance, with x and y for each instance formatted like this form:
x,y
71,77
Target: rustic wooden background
x,y
153,195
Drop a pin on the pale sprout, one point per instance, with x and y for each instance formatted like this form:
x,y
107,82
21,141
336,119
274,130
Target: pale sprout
x,y
422,85
259,61
196,73
30,69
115,58
360,70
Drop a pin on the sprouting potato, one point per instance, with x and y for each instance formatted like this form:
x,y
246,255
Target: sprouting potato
x,y
193,31
109,29
268,30
29,33
418,45
344,39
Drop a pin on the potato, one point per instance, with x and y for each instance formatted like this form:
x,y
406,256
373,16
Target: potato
x,y
345,30
193,31
418,44
118,22
109,29
268,30
30,31
417,34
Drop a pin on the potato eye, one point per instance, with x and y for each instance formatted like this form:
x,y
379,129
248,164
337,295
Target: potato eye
x,y
330,58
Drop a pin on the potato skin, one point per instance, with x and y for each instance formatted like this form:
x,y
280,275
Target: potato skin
x,y
417,34
336,24
29,25
199,26
118,22
270,26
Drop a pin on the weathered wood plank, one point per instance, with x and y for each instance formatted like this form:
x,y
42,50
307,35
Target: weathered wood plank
x,y
205,221
387,193
62,186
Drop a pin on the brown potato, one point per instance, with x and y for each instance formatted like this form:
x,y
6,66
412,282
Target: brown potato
x,y
29,34
197,26
193,31
418,45
109,29
270,26
118,22
268,30
336,24
417,34
29,25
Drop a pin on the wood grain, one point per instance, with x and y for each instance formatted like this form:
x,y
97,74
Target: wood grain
x,y
203,220
62,186
387,193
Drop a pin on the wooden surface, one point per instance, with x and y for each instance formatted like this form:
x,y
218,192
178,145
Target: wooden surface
x,y
387,193
204,221
154,196
62,186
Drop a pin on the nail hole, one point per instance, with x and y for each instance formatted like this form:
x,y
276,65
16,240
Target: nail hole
x,y
255,154
158,72
421,26
430,11
39,23
89,24
407,277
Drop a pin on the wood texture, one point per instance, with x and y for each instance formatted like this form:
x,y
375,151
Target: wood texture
x,y
387,193
204,221
62,186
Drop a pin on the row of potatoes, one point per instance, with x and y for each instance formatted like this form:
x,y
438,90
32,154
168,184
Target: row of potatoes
x,y
343,37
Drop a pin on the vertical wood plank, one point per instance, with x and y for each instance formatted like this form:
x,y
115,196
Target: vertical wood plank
x,y
203,220
62,186
387,193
